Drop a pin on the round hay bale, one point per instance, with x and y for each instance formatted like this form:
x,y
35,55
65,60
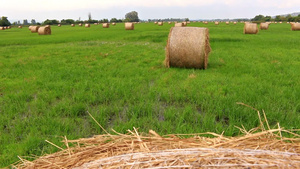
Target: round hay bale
x,y
160,23
169,23
44,31
216,23
59,25
264,26
95,23
87,25
113,23
206,22
188,47
180,24
105,25
234,23
250,28
29,27
155,22
80,24
227,23
129,26
48,26
2,28
34,29
184,23
72,25
20,27
295,26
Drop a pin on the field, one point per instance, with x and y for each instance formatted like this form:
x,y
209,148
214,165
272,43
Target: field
x,y
49,83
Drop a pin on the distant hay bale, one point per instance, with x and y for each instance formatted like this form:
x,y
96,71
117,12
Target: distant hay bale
x,y
155,22
188,22
87,25
20,27
59,25
160,23
113,23
8,27
234,23
105,25
72,25
34,29
2,28
295,26
227,23
264,26
80,24
205,22
216,23
95,23
250,28
180,24
188,47
184,23
169,23
129,26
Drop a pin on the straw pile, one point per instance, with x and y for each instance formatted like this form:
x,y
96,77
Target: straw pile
x,y
20,27
129,26
188,47
250,28
264,26
105,25
260,147
160,23
180,24
34,29
113,23
87,25
44,30
295,26
216,23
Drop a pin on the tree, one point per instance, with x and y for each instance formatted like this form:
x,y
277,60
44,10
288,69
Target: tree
x,y
4,21
90,17
115,20
67,21
132,16
258,18
33,22
50,22
268,18
25,22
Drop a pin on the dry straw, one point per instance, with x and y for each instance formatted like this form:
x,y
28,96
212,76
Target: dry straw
x,y
87,25
105,25
188,47
160,23
264,26
34,29
295,26
129,26
261,147
44,30
216,23
180,24
250,28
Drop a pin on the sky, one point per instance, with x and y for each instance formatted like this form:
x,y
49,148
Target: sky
x,y
147,9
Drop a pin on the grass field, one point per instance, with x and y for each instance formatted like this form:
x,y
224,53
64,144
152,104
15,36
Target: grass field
x,y
48,83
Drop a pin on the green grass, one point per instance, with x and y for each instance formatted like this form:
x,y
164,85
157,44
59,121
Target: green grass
x,y
48,83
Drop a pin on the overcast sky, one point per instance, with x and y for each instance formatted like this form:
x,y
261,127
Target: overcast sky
x,y
147,9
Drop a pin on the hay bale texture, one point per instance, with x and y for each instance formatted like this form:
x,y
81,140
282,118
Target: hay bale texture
x,y
160,23
87,25
295,26
34,29
188,47
2,28
129,26
59,25
216,23
180,24
105,25
264,26
20,27
72,25
250,28
113,23
44,30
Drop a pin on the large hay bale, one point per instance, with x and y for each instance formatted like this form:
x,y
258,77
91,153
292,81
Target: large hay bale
x,y
250,28
44,31
264,26
34,29
188,47
160,23
105,25
227,23
129,26
29,27
2,28
169,23
180,24
234,23
295,26
72,25
216,23
87,25
80,24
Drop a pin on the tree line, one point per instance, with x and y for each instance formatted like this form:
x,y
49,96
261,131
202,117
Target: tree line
x,y
278,18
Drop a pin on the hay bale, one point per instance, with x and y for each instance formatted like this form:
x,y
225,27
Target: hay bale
x,y
216,23
87,25
105,25
29,27
155,22
169,23
48,26
96,24
129,26
20,27
206,22
2,28
184,23
80,24
234,23
227,23
295,26
264,26
250,28
34,29
113,23
188,47
44,31
59,25
180,24
160,23
72,25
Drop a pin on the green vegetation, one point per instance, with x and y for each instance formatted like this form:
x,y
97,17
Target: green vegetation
x,y
48,83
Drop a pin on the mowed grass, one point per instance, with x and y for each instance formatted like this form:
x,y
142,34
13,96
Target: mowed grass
x,y
49,83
